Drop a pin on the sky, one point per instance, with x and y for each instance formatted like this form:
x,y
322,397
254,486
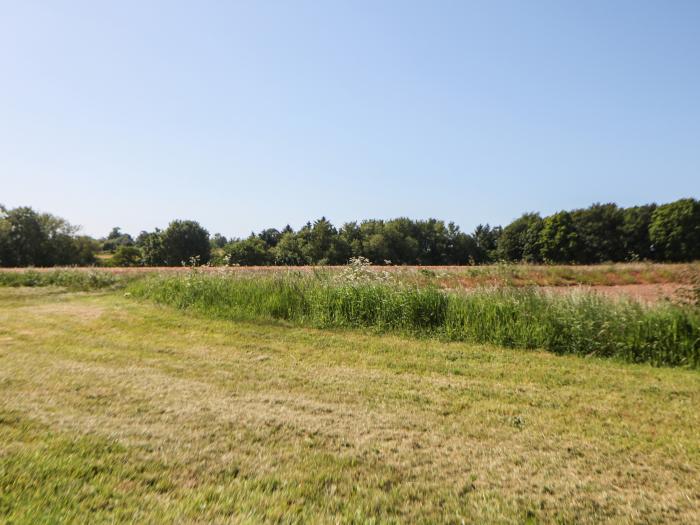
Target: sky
x,y
255,114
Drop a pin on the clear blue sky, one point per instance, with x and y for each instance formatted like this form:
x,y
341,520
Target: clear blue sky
x,y
244,115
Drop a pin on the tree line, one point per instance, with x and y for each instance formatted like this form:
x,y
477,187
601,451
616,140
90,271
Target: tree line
x,y
599,233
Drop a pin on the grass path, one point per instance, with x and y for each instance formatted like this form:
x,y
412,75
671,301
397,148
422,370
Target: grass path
x,y
117,410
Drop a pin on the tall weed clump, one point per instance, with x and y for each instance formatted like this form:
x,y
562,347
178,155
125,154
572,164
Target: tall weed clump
x,y
579,323
377,305
226,296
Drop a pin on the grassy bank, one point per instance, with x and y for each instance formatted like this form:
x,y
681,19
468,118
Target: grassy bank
x,y
582,324
455,277
71,279
523,275
120,411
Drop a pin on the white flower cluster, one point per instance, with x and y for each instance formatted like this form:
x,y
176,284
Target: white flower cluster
x,y
359,271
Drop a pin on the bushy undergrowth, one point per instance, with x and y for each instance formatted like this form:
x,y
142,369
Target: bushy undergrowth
x,y
71,279
584,324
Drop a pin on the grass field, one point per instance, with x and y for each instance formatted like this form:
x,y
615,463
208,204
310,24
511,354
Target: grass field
x,y
517,275
586,324
118,410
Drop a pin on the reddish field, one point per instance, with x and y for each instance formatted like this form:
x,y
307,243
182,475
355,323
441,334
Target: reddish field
x,y
642,281
639,292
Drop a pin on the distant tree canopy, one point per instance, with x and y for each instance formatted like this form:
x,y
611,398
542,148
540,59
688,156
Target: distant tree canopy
x,y
182,242
520,240
674,230
599,233
30,238
397,241
218,241
559,240
115,239
126,256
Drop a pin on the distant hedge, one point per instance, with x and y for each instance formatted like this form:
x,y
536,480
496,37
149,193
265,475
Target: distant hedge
x,y
599,233
30,238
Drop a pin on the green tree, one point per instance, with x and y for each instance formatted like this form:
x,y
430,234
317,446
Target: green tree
x,y
184,241
635,232
83,250
62,245
376,248
270,237
486,239
675,231
126,256
351,234
218,241
402,243
368,241
28,241
116,238
151,245
558,238
248,252
600,233
432,239
29,238
461,247
7,255
519,241
288,251
321,244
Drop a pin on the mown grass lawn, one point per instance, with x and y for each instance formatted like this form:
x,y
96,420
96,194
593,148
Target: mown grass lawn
x,y
113,409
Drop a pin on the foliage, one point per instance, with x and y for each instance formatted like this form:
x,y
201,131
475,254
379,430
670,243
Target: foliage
x,y
635,232
582,324
321,243
486,239
559,240
247,252
218,241
270,237
29,238
675,230
151,246
126,256
183,240
288,251
115,239
519,241
397,241
180,242
70,279
599,232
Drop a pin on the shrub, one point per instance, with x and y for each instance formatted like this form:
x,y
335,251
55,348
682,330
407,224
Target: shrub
x,y
184,240
126,256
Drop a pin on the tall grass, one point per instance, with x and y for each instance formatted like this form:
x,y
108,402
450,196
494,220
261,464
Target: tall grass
x,y
584,324
71,279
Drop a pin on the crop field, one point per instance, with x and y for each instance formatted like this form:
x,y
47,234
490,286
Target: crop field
x,y
365,395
